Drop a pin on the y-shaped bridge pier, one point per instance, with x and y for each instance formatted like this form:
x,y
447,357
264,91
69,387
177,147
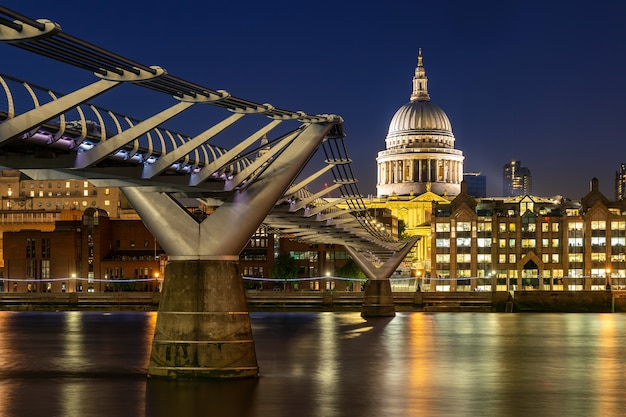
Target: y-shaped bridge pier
x,y
203,327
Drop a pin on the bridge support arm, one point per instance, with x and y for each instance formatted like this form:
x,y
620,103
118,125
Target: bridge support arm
x,y
378,298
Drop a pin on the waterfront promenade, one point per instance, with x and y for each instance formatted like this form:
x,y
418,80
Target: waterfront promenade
x,y
499,301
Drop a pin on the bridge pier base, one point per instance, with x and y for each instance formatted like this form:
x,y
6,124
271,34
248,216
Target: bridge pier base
x,y
378,299
203,327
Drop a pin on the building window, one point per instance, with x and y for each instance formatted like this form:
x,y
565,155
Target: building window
x,y
45,269
463,226
463,258
442,243
45,248
483,242
442,258
30,248
484,227
442,227
512,258
598,241
598,257
31,268
575,241
555,258
502,258
484,258
598,225
575,257
463,242
575,226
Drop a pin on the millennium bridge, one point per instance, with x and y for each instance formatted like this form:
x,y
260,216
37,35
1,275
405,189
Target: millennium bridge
x,y
203,326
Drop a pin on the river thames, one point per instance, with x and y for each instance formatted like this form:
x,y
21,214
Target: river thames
x,y
325,365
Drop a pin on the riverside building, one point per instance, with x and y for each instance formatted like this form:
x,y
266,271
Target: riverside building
x,y
528,242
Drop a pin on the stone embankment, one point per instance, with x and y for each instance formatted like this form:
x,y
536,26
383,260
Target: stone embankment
x,y
501,301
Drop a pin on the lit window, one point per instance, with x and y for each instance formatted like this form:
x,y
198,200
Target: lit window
x,y
618,241
615,225
598,241
442,243
483,242
443,258
502,258
85,184
555,227
598,225
556,243
86,193
512,258
575,257
555,258
484,227
575,226
463,226
463,242
575,241
484,258
463,258
442,227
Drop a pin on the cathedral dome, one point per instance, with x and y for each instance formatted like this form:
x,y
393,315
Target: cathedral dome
x,y
419,115
420,155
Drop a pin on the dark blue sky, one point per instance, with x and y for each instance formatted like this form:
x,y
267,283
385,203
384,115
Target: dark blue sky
x,y
537,81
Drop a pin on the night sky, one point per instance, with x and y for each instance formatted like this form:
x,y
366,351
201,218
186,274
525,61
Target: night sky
x,y
541,82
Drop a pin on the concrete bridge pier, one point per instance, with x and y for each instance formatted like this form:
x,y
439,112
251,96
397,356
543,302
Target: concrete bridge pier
x,y
203,327
378,299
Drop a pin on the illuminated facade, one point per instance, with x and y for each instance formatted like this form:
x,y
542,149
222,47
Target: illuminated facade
x,y
420,154
528,242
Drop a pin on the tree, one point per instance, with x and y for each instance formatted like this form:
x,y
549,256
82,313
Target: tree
x,y
350,270
402,230
284,267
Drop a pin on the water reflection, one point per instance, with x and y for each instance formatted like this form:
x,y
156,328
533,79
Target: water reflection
x,y
325,365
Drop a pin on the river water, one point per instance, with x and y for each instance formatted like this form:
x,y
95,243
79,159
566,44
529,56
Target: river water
x,y
325,365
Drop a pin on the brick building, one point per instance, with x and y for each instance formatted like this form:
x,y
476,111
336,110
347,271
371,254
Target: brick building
x,y
528,242
94,254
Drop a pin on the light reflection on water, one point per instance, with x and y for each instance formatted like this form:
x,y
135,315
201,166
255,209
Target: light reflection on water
x,y
325,365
